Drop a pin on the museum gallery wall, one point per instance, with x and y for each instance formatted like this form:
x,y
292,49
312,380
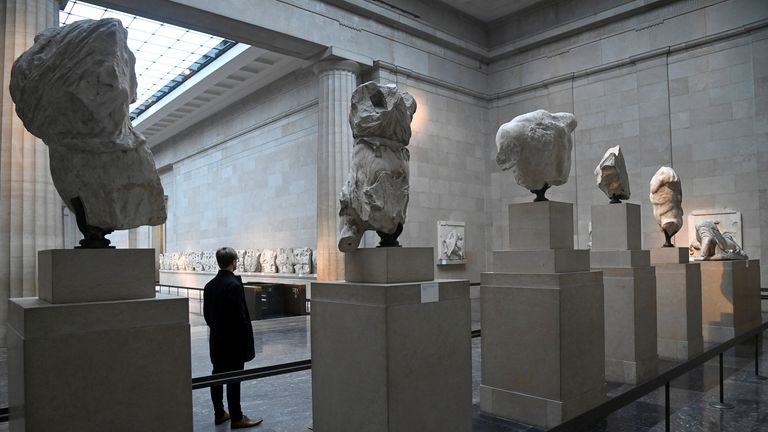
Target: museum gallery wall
x,y
246,176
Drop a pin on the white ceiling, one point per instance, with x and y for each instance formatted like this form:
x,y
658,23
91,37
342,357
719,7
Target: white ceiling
x,y
489,10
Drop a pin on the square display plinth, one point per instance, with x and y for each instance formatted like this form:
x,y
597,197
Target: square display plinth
x,y
630,324
678,310
540,226
542,345
616,227
730,294
389,265
391,357
122,365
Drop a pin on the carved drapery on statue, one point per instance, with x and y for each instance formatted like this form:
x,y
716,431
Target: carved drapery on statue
x,y
611,175
375,196
667,199
536,147
72,89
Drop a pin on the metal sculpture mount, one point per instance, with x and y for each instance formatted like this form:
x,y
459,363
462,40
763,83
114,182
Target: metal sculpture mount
x,y
375,196
667,198
611,175
72,89
536,147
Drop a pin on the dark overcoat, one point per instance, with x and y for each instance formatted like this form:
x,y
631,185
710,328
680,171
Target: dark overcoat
x,y
225,312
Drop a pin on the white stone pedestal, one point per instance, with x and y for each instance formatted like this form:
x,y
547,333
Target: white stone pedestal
x,y
391,356
678,304
630,293
730,293
77,364
543,356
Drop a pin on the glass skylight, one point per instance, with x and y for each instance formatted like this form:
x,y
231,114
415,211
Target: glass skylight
x,y
166,55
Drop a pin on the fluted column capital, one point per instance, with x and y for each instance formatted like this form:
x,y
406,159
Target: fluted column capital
x,y
331,65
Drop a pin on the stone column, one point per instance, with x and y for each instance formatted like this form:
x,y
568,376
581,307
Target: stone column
x,y
337,81
30,207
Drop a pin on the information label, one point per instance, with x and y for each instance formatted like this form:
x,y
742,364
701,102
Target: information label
x,y
430,292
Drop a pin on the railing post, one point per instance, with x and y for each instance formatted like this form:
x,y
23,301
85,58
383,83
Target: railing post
x,y
721,404
666,407
757,359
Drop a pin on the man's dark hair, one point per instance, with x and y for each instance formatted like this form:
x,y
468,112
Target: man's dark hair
x,y
225,257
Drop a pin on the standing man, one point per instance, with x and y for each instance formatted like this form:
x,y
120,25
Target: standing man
x,y
231,336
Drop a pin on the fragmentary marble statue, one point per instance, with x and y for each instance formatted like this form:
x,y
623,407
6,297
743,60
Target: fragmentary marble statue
x,y
240,260
72,89
667,198
537,148
302,260
267,261
713,245
284,260
611,175
375,196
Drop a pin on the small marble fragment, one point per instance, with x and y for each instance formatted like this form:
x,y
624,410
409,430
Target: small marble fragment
x,y
667,198
611,175
712,245
375,196
536,147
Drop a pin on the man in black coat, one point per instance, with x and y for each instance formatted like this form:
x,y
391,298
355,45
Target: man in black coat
x,y
231,336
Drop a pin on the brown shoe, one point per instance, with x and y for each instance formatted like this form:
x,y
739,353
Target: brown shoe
x,y
222,419
245,422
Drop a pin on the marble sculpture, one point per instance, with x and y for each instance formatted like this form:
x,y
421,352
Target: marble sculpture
x,y
667,198
375,196
267,261
611,175
284,260
536,147
452,247
302,259
714,245
72,89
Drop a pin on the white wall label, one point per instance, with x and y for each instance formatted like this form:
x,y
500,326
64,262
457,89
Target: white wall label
x,y
430,292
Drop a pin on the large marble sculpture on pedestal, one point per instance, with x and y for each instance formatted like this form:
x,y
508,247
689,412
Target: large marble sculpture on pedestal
x,y
714,245
72,89
375,196
611,175
537,148
667,197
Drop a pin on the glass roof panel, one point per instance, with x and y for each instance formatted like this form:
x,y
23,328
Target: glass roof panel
x,y
166,55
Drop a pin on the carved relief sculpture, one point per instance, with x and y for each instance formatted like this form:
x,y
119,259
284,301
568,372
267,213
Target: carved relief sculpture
x,y
536,147
284,260
72,89
267,261
450,237
611,175
302,258
250,261
375,196
667,198
712,245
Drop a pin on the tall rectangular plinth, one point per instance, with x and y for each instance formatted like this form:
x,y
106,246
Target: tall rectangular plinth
x,y
99,365
630,293
542,345
543,358
730,293
678,304
391,357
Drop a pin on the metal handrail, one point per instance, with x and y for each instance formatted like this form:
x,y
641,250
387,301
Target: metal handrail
x,y
602,411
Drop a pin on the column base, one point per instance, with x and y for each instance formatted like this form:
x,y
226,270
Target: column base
x,y
631,372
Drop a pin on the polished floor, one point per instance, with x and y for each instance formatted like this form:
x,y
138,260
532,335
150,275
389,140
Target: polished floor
x,y
285,401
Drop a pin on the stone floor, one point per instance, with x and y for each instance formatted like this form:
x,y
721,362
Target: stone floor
x,y
286,401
